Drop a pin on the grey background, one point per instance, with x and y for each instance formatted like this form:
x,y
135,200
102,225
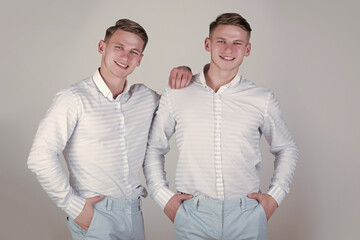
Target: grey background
x,y
307,52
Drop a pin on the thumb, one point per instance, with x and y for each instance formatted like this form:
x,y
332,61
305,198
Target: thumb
x,y
253,195
95,199
185,197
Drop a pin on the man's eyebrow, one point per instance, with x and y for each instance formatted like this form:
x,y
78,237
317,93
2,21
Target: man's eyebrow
x,y
118,44
136,49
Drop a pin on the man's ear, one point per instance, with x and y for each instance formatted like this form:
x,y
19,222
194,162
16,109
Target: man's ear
x,y
101,46
139,61
248,49
207,44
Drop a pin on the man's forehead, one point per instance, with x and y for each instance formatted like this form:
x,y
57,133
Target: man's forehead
x,y
126,38
229,31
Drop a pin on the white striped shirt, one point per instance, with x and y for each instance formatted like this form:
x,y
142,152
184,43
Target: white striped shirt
x,y
217,135
103,141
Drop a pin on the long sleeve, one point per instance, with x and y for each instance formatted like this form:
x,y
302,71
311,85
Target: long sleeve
x,y
282,146
51,138
163,127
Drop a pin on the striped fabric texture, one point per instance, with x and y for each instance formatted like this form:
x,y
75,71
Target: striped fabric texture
x,y
217,135
103,141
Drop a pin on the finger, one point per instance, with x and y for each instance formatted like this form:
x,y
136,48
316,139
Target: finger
x,y
172,78
253,196
183,80
187,80
183,197
96,199
178,81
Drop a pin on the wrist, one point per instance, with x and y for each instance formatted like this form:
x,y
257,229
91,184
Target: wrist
x,y
75,206
277,193
163,196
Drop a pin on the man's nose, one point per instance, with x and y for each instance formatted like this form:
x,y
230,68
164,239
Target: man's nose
x,y
123,55
228,48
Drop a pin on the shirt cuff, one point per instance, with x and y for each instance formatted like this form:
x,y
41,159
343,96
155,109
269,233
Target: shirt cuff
x,y
163,196
277,193
75,207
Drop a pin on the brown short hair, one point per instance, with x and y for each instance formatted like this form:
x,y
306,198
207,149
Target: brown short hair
x,y
128,26
230,19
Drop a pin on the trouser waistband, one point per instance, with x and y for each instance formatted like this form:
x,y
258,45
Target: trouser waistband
x,y
225,205
109,203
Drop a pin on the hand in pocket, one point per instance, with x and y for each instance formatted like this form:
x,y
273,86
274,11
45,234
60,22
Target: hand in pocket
x,y
86,215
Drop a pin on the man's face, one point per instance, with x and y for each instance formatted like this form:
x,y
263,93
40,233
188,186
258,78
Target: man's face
x,y
228,45
121,53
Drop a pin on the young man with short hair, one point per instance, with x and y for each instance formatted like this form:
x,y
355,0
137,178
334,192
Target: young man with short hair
x,y
219,119
101,125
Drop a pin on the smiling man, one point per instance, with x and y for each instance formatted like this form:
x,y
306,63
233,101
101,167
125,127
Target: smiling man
x,y
219,120
101,126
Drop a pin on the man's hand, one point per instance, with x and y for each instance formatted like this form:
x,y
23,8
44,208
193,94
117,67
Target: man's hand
x,y
180,77
173,205
268,202
86,215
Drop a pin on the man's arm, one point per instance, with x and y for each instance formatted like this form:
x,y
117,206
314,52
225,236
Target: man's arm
x,y
283,147
50,140
173,205
162,129
180,77
85,217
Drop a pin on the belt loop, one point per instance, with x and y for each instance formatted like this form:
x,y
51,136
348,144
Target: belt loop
x,y
108,204
196,202
242,203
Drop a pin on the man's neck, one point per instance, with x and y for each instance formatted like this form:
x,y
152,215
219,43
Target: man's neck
x,y
116,85
216,78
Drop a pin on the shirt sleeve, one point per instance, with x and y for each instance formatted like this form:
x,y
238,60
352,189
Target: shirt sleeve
x,y
50,140
156,99
162,128
282,146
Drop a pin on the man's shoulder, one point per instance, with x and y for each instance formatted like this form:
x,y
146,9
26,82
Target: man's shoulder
x,y
143,91
142,88
80,88
82,85
194,85
75,91
252,88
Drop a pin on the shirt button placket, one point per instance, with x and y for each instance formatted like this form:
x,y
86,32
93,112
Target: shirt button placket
x,y
124,158
217,146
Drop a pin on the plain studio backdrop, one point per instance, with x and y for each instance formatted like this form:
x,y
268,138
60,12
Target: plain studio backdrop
x,y
306,52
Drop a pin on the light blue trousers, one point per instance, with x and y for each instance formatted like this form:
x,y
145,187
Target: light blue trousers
x,y
233,219
113,219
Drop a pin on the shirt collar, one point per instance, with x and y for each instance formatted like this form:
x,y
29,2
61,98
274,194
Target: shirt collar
x,y
103,88
232,83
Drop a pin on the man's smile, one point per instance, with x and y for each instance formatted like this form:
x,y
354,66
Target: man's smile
x,y
227,58
121,65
